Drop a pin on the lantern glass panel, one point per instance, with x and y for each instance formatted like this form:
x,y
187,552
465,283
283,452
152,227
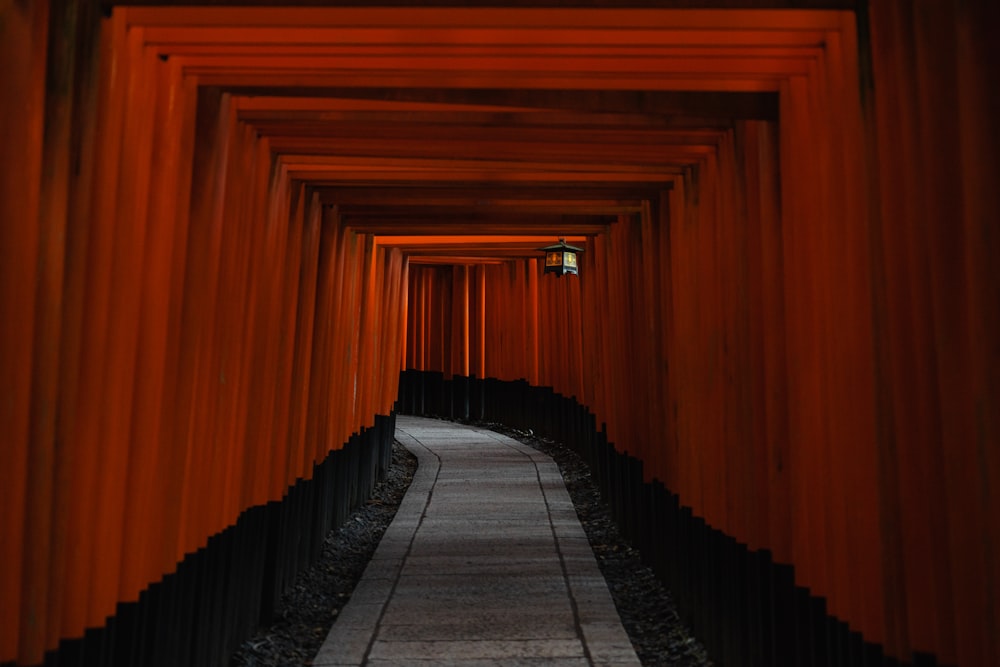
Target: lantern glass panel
x,y
569,259
554,259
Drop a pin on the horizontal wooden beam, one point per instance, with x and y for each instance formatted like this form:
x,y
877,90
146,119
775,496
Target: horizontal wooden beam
x,y
483,193
670,106
513,208
472,226
461,249
564,4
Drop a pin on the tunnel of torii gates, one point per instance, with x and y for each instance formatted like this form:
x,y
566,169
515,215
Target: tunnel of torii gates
x,y
236,241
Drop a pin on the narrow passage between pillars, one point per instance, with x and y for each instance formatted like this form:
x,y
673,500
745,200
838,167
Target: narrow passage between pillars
x,y
485,561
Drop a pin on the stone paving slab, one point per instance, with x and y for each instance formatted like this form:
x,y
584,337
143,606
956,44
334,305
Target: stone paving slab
x,y
484,564
494,662
520,627
476,649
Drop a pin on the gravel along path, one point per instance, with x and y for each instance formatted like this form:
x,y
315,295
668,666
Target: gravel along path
x,y
306,613
648,613
309,610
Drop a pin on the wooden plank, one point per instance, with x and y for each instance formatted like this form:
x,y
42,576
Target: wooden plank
x,y
23,39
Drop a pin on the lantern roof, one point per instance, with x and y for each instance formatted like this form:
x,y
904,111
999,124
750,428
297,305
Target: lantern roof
x,y
561,246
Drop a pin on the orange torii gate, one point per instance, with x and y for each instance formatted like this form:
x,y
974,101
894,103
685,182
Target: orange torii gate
x,y
217,248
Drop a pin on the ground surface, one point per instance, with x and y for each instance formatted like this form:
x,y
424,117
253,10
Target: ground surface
x,y
308,611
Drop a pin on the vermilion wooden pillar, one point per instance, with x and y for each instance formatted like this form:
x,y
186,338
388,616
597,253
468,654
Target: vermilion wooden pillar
x,y
459,362
163,343
23,36
933,102
806,323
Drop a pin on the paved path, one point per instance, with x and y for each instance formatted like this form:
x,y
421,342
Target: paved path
x,y
485,564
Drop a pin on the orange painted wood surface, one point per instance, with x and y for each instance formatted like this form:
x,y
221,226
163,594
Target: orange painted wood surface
x,y
796,338
22,41
792,320
160,331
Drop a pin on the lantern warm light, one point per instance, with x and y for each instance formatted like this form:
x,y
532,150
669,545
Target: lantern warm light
x,y
560,258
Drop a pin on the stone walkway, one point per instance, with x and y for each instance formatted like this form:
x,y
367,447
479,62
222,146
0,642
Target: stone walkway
x,y
485,563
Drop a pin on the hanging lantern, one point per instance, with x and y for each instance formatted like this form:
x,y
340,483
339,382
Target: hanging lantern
x,y
560,258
